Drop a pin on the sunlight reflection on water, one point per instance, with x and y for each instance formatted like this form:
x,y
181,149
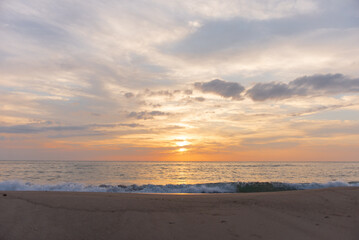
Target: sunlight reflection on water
x,y
126,173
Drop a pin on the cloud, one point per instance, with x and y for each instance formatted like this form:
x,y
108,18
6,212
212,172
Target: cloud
x,y
200,99
33,129
319,84
71,135
131,125
62,61
222,88
318,109
335,130
255,9
146,115
242,33
129,95
166,93
188,92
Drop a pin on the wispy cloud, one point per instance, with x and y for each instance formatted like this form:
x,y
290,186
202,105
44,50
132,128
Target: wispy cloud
x,y
135,75
146,115
39,128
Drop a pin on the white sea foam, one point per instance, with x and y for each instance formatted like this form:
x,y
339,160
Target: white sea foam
x,y
169,188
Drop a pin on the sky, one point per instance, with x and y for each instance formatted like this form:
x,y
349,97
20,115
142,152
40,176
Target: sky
x,y
236,80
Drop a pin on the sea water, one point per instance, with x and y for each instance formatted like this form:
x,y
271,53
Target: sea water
x,y
174,177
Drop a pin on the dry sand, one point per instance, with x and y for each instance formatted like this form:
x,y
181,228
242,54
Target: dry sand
x,y
310,214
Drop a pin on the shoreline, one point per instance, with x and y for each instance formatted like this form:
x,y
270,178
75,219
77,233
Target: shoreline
x,y
211,187
330,213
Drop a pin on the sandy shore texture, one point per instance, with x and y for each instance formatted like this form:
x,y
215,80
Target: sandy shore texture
x,y
311,214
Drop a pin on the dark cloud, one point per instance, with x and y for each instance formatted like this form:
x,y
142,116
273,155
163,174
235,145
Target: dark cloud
x,y
109,125
76,135
27,129
222,88
166,93
200,99
146,115
34,129
319,84
264,91
129,95
328,83
188,92
18,129
155,105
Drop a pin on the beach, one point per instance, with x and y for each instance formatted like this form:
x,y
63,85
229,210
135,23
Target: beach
x,y
331,213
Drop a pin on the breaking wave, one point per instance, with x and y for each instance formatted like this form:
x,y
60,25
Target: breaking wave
x,y
228,187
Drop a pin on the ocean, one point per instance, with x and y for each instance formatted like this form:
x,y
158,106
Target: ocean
x,y
174,177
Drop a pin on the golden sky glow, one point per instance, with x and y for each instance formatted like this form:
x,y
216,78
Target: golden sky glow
x,y
232,81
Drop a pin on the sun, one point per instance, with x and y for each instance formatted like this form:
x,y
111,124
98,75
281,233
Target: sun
x,y
182,150
183,143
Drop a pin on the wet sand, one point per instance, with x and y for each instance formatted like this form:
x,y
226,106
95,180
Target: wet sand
x,y
311,214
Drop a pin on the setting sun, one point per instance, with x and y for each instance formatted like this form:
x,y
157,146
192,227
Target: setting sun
x,y
182,150
183,143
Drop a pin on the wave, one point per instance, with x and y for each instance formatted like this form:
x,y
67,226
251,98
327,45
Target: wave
x,y
227,187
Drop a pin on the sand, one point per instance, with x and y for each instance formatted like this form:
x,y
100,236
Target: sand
x,y
311,214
